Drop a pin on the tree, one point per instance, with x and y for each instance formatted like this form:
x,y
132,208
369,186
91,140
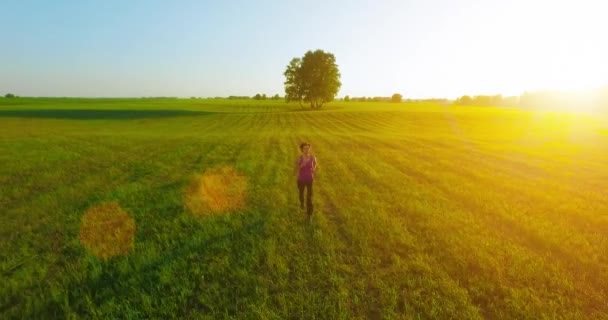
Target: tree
x,y
464,100
347,98
276,97
294,87
396,97
313,79
257,97
9,95
263,96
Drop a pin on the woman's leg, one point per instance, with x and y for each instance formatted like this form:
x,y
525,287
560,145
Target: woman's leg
x,y
309,198
301,193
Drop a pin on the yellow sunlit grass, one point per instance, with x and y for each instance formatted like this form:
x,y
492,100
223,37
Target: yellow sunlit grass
x,y
107,231
217,190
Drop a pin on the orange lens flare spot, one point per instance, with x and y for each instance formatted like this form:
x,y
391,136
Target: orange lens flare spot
x,y
216,191
107,231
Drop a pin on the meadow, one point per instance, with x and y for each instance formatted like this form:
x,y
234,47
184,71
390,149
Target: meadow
x,y
423,211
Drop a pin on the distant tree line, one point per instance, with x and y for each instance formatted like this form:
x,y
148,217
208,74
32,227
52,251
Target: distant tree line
x,y
10,96
397,97
160,97
264,97
596,99
486,100
256,97
430,100
367,99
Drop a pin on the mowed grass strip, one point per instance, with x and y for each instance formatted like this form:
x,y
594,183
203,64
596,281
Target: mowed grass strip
x,y
422,211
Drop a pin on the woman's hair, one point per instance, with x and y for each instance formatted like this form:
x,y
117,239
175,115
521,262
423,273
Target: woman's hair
x,y
304,144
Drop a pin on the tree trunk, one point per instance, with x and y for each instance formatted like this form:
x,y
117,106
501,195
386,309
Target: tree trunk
x,y
316,104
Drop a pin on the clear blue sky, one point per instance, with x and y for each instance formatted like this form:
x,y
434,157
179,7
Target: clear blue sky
x,y
434,48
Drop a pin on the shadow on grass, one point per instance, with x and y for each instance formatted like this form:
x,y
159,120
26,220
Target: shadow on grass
x,y
96,114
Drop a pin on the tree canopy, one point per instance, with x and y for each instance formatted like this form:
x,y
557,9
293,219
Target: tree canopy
x,y
396,97
313,79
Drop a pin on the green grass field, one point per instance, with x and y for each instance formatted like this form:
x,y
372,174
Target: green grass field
x,y
422,211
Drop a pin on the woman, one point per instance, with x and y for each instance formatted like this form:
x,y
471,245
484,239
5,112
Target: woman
x,y
305,167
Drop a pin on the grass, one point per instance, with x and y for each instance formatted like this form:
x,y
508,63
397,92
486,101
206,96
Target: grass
x,y
422,211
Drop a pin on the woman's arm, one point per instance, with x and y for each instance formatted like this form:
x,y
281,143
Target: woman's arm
x,y
296,167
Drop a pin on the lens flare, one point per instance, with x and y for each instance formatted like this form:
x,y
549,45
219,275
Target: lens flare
x,y
107,231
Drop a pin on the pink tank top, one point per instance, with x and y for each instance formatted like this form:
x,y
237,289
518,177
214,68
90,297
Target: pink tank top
x,y
306,171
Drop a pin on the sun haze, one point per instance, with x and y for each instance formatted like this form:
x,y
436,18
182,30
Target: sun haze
x,y
436,48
